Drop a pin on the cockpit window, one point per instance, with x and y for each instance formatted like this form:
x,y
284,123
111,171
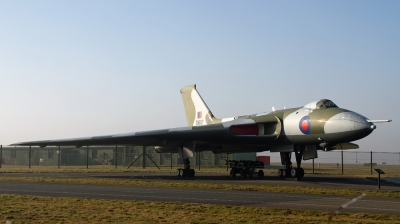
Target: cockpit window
x,y
325,103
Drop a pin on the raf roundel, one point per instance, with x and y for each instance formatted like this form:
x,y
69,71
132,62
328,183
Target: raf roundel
x,y
305,125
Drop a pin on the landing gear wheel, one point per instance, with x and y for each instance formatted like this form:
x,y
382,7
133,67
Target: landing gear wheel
x,y
232,173
260,174
243,173
182,172
191,172
284,173
280,173
294,172
301,172
178,172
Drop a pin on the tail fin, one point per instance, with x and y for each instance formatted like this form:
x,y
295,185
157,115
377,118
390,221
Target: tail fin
x,y
197,112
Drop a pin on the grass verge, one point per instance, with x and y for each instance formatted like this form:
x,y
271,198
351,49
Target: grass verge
x,y
325,169
35,209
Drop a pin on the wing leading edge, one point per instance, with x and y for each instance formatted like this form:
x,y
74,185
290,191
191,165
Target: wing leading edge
x,y
220,134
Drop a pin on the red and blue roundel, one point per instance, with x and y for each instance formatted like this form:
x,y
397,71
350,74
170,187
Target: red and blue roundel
x,y
305,125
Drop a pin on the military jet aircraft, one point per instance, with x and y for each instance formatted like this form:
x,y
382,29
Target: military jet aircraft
x,y
319,125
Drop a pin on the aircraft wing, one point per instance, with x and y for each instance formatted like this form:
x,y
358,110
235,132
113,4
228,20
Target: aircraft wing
x,y
154,137
220,133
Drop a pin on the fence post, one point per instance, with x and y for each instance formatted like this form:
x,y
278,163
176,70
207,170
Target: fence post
x,y
199,160
227,159
87,157
1,155
313,166
342,162
29,157
116,157
371,163
144,156
59,156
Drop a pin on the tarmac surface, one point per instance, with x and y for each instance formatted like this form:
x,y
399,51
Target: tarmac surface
x,y
225,197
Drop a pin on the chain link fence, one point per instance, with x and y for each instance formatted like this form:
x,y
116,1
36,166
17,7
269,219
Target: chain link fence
x,y
333,162
137,156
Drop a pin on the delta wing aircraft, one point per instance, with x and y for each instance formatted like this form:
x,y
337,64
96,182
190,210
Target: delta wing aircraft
x,y
319,125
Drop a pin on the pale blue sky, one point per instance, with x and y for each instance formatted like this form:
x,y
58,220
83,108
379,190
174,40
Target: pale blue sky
x,y
84,68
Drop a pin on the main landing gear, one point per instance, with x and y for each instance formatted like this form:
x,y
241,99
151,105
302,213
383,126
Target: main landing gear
x,y
186,171
290,171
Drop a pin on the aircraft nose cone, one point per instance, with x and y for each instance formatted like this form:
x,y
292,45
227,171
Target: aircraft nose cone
x,y
360,122
347,121
348,126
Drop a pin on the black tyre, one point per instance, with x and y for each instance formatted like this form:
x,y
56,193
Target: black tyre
x,y
284,173
183,172
232,173
260,174
178,172
294,172
301,172
191,173
280,173
243,173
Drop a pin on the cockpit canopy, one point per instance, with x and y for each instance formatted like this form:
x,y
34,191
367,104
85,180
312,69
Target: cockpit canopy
x,y
324,103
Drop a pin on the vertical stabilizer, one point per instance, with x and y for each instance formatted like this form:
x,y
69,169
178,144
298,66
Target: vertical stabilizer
x,y
197,112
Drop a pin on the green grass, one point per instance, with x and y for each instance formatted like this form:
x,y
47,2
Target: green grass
x,y
349,170
35,209
326,169
353,170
